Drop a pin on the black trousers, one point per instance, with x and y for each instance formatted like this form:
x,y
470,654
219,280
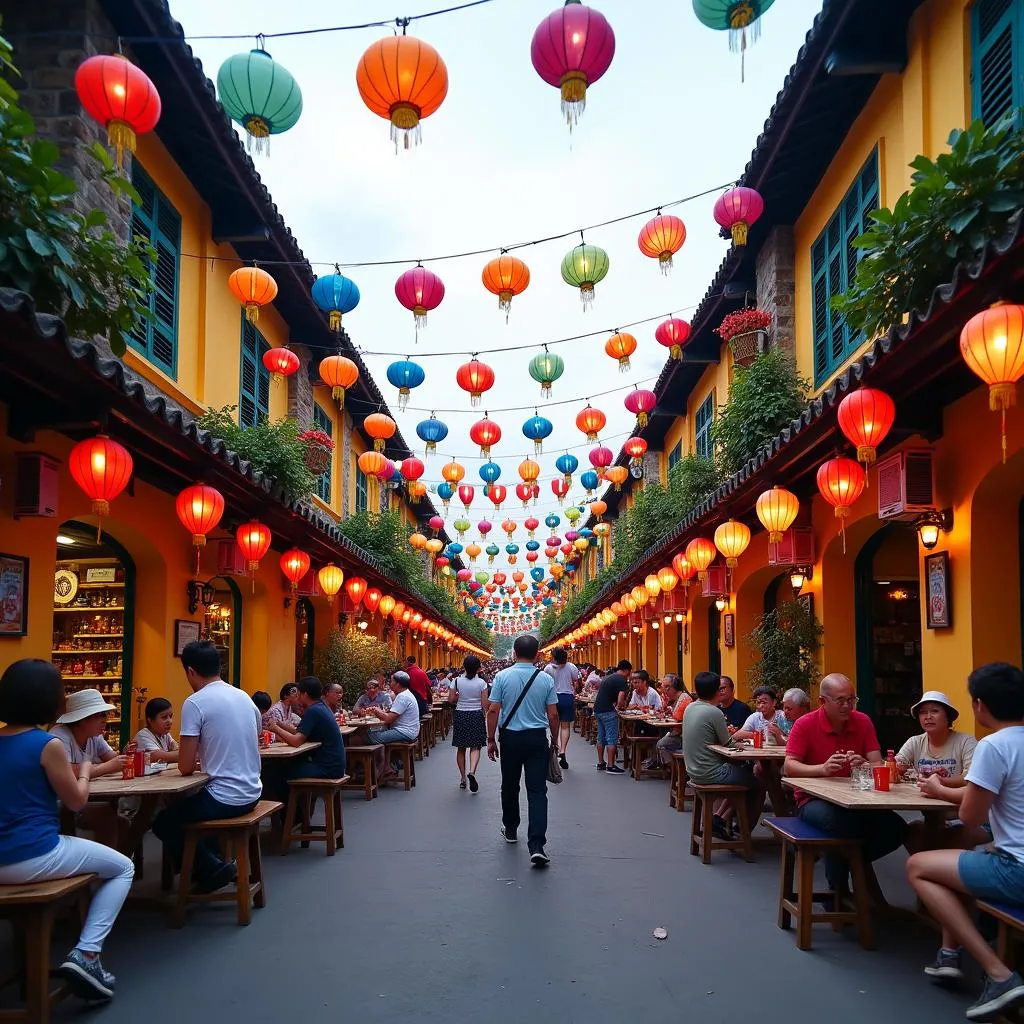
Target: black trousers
x,y
525,752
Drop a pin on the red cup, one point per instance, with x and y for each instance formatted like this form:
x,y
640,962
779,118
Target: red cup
x,y
881,773
139,762
758,739
128,769
267,738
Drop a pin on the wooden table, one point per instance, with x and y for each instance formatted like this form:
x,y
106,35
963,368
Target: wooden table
x,y
771,760
281,749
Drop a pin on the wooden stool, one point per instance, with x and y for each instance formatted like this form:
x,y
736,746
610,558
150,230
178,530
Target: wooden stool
x,y
406,751
1011,927
801,845
32,908
244,834
423,743
701,839
640,747
678,781
367,759
302,796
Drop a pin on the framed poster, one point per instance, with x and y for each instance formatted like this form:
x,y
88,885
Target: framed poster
x,y
185,631
939,607
13,595
729,629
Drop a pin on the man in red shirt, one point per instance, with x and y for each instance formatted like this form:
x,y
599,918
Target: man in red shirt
x,y
419,683
827,743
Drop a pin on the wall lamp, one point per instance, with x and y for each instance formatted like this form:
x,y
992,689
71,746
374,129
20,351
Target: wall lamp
x,y
930,524
720,603
200,592
799,575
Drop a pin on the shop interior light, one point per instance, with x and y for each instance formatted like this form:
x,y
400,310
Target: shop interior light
x,y
65,540
362,624
655,624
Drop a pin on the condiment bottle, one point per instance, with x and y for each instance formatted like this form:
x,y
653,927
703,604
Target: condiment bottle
x,y
894,771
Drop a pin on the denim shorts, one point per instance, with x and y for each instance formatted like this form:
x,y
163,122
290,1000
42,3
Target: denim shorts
x,y
992,876
607,728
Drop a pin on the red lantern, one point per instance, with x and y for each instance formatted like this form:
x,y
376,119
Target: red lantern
x,y
865,417
683,568
371,599
102,469
294,564
640,402
591,421
253,540
531,524
355,587
524,492
841,482
673,333
560,489
736,210
636,449
497,493
476,378
120,96
466,494
661,238
280,363
700,553
485,433
419,290
199,510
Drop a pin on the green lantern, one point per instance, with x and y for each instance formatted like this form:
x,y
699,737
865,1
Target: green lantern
x,y
482,577
260,95
546,368
735,17
583,267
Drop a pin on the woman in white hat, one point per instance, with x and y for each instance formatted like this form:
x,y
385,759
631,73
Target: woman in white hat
x,y
940,750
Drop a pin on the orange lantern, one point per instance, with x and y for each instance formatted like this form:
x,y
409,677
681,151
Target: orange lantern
x,y
417,489
381,428
661,238
640,596
529,471
294,564
398,611
683,568
732,538
417,541
371,599
653,585
865,417
777,508
668,579
406,616
617,609
199,510
629,602
387,605
102,469
453,472
331,579
371,463
621,346
253,287
280,363
700,553
992,345
617,475
506,276
253,539
355,588
841,482
434,546
403,80
598,509
591,421
338,373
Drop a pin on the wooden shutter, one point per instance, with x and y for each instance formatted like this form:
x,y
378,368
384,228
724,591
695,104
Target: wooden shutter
x,y
997,70
362,495
321,421
254,379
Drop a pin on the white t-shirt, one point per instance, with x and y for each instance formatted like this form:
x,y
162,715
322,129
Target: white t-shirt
x,y
470,691
228,726
758,723
145,739
565,677
408,722
594,680
951,760
652,700
998,766
96,750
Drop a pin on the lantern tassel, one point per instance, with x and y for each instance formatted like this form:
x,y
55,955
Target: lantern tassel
x,y
334,320
624,365
102,508
587,295
403,399
675,351
121,136
1001,397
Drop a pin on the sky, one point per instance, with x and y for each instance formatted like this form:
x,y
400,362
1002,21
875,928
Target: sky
x,y
497,166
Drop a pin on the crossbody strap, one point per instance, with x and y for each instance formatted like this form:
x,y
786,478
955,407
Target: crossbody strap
x,y
519,699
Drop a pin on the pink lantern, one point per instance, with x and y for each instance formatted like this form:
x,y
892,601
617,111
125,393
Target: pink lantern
x,y
572,48
436,523
737,209
601,458
485,527
464,575
673,334
386,471
419,290
640,402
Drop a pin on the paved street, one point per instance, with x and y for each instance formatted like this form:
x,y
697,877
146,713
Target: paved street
x,y
426,914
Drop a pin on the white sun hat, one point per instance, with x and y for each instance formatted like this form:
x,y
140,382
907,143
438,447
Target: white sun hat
x,y
83,704
936,697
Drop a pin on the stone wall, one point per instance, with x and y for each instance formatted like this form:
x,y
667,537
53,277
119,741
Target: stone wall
x,y
776,285
652,468
300,391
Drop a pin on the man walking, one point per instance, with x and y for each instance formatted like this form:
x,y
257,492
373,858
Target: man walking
x,y
523,708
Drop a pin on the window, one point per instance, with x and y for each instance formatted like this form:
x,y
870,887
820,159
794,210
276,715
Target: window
x,y
702,423
322,421
833,266
254,380
156,220
675,456
997,58
362,491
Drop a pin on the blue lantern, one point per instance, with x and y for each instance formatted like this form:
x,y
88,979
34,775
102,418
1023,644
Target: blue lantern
x,y
552,521
511,549
586,532
405,375
536,428
395,480
445,492
454,550
548,602
567,465
335,295
537,575
533,545
492,552
489,472
432,432
590,481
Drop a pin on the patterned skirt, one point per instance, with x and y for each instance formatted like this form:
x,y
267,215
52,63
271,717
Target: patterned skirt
x,y
469,729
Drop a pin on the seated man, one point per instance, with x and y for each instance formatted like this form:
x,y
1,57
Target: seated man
x,y
644,695
333,693
735,711
994,791
373,697
676,700
402,721
283,712
767,719
795,704
827,744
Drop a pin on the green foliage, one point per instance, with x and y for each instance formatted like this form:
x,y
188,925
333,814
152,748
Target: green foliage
x,y
763,398
692,481
350,658
785,644
72,264
956,204
272,448
503,645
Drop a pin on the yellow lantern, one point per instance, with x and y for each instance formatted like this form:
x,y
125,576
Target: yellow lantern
x,y
777,508
331,579
732,538
653,585
581,543
417,541
602,529
640,595
668,579
386,606
629,603
434,546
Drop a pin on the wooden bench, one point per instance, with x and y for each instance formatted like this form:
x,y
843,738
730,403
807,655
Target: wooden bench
x,y
406,752
364,757
32,908
802,843
243,834
678,782
302,797
702,841
1011,926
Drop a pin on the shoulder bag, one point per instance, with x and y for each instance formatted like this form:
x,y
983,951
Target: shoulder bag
x,y
519,699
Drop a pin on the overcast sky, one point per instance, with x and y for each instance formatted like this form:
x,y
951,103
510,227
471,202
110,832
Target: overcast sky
x,y
498,166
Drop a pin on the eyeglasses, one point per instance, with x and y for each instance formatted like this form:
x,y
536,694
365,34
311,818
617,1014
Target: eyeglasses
x,y
843,702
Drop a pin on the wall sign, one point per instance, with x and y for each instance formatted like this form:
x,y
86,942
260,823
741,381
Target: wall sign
x,y
185,631
13,595
939,606
729,629
65,586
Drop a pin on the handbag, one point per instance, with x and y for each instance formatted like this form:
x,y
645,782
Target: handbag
x,y
554,768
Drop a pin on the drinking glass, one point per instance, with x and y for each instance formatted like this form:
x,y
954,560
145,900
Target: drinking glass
x,y
862,777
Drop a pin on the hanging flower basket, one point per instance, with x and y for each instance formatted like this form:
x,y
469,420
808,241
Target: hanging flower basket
x,y
746,332
318,448
747,347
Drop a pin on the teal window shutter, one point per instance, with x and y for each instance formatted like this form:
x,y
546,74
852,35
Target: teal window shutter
x,y
834,261
703,422
997,58
675,456
321,421
159,223
362,491
254,378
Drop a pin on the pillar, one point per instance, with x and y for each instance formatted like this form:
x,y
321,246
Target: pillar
x,y
776,285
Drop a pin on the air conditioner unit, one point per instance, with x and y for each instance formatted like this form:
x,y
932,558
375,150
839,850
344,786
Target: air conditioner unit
x,y
230,560
906,484
37,486
795,548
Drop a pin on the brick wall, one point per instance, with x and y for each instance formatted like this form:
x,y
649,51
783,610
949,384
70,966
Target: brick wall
x,y
776,285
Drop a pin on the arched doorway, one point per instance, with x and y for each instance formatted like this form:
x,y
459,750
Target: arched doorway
x,y
888,625
222,625
94,620
305,633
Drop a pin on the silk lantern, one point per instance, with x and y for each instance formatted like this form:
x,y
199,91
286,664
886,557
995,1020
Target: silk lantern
x,y
506,276
339,373
661,238
777,508
253,539
260,94
101,468
199,509
419,290
673,333
700,553
841,482
280,362
736,210
865,417
294,564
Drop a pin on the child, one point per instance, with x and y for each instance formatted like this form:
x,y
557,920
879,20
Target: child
x,y
35,773
156,737
994,791
263,703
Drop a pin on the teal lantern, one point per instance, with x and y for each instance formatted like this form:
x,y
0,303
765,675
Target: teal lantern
x,y
583,267
736,17
545,369
260,95
492,552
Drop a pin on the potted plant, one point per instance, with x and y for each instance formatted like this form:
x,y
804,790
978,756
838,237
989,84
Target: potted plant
x,y
745,332
318,447
785,644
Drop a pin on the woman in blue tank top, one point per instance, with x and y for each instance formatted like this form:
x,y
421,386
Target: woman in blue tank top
x,y
34,775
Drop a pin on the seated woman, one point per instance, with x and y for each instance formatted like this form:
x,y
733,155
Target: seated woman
x,y
767,719
31,846
156,737
940,750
